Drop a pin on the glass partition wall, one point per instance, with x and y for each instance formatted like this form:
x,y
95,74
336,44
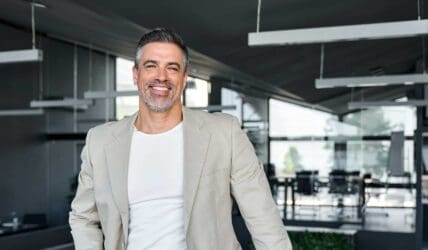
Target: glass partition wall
x,y
359,144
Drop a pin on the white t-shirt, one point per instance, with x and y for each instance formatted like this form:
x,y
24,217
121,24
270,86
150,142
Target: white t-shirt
x,y
155,191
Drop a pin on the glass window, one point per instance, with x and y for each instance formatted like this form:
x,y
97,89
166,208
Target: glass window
x,y
372,156
125,105
291,156
383,120
124,74
305,139
231,97
301,125
288,119
196,92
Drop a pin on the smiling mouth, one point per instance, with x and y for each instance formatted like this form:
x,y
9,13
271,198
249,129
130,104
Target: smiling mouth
x,y
159,88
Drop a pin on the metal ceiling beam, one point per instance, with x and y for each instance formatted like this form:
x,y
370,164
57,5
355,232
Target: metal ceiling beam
x,y
370,81
339,33
19,56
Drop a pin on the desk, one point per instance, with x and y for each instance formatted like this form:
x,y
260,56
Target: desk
x,y
285,182
288,181
373,183
363,184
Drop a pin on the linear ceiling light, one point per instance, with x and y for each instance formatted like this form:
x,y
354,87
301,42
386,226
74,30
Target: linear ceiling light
x,y
370,81
27,55
108,94
339,33
359,105
65,103
21,112
17,56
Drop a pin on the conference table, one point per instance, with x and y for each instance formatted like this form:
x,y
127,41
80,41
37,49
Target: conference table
x,y
364,184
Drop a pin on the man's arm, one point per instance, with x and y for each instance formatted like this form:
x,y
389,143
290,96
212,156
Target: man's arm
x,y
251,191
84,221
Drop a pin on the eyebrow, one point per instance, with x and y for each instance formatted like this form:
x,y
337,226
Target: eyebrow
x,y
168,64
150,61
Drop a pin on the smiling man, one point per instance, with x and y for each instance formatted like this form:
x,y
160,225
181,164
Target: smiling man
x,y
164,178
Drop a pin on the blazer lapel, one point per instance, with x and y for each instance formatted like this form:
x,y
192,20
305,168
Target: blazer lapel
x,y
117,154
196,144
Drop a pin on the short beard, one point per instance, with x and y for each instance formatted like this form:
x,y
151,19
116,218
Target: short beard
x,y
157,107
154,106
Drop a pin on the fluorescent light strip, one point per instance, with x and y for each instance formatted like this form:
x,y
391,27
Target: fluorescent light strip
x,y
371,81
359,105
108,94
19,56
339,33
65,103
21,112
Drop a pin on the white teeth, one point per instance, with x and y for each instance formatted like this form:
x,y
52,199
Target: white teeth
x,y
160,88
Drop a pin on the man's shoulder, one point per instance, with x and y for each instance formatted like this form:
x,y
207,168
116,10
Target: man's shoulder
x,y
214,121
108,128
215,117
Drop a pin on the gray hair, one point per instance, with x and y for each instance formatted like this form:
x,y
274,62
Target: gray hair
x,y
161,35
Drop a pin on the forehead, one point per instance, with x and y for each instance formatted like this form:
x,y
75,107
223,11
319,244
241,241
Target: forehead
x,y
162,51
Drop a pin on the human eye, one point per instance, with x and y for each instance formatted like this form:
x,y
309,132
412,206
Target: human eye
x,y
174,68
149,65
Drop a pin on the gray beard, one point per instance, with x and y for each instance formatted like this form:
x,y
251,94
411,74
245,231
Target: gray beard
x,y
157,107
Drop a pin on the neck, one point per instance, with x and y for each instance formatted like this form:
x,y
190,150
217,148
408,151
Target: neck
x,y
152,122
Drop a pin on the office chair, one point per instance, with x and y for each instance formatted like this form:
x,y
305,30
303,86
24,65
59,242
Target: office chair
x,y
270,172
306,184
343,183
395,167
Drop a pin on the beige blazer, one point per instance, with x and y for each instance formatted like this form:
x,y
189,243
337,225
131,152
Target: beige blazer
x,y
219,160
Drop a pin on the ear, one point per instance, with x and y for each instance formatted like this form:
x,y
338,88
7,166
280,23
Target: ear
x,y
135,75
185,79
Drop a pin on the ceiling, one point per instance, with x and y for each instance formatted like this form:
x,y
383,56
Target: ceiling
x,y
217,32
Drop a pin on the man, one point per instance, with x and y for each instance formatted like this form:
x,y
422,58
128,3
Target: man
x,y
163,178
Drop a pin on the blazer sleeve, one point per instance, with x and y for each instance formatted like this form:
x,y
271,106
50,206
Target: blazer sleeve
x,y
251,191
83,218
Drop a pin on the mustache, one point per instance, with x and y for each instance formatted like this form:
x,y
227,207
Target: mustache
x,y
165,83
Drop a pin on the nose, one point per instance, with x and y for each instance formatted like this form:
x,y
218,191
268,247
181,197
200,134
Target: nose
x,y
162,74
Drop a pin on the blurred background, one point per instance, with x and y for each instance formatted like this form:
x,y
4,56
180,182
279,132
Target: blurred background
x,y
332,94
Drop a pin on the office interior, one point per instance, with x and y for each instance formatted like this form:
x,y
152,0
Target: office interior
x,y
347,165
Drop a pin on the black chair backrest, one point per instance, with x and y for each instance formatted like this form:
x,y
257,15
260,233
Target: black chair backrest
x,y
306,182
337,182
343,182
